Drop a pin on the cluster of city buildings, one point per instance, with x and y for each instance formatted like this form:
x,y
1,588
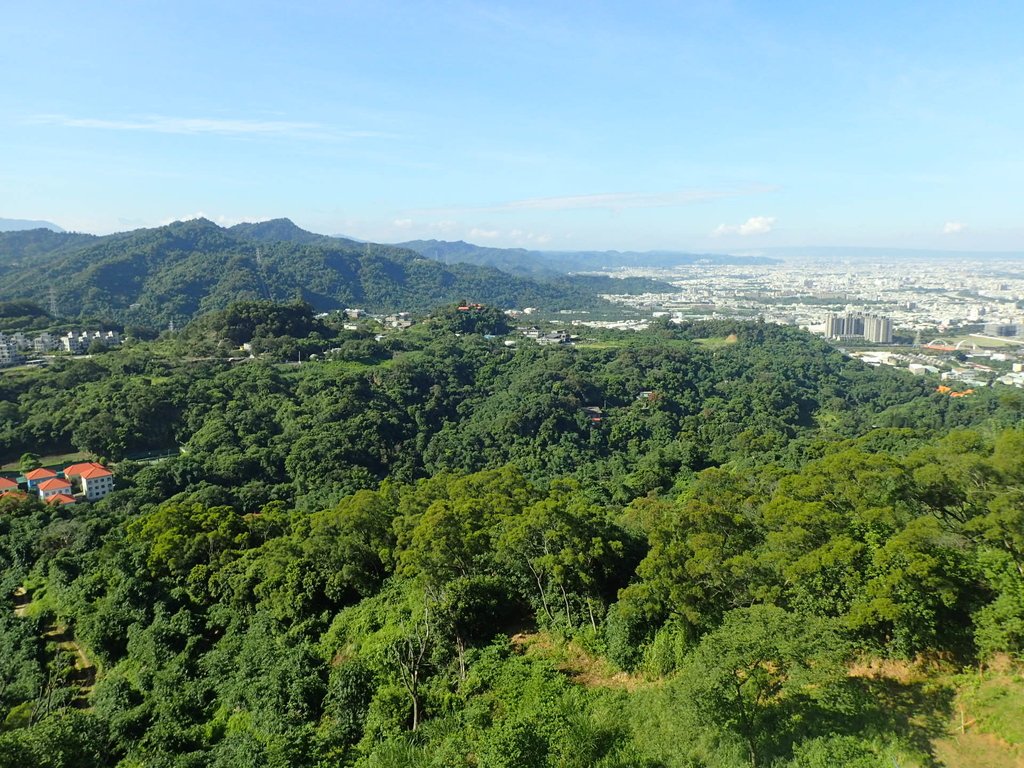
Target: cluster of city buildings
x,y
1005,330
876,329
929,294
87,481
15,347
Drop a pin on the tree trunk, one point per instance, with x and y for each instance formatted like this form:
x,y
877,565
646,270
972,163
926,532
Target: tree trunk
x,y
460,647
415,710
540,588
565,599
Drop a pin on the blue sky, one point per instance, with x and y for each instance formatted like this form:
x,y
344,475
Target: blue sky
x,y
686,125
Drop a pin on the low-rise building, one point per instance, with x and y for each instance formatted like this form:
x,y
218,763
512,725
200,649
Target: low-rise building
x,y
36,476
86,479
97,482
54,486
9,352
45,342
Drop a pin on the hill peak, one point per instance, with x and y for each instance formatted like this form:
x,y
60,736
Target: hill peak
x,y
199,224
275,230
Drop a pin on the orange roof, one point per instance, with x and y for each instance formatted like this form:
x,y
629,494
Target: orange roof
x,y
40,474
17,494
93,472
7,485
73,470
53,483
61,498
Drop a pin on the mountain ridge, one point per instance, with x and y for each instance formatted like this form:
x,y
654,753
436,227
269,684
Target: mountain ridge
x,y
21,225
523,261
174,272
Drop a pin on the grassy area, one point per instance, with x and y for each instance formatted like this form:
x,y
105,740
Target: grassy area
x,y
20,371
583,667
637,341
52,460
986,342
986,729
717,341
601,344
918,714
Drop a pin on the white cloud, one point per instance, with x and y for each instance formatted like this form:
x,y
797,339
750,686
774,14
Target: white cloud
x,y
755,225
953,227
402,223
484,234
444,226
206,125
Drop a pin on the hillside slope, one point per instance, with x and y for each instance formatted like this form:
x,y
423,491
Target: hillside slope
x,y
153,276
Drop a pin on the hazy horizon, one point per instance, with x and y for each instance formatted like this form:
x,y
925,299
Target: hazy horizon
x,y
790,253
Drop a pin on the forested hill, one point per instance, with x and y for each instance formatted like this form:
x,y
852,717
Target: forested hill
x,y
153,276
718,544
22,247
282,230
515,260
522,261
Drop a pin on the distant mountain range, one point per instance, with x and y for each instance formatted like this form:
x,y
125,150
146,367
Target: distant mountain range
x,y
17,225
526,262
153,276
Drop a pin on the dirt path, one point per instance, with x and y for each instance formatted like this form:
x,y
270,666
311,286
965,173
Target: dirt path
x,y
84,673
21,601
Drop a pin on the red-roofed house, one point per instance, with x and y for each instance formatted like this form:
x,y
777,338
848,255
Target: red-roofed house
x,y
97,482
53,487
7,485
61,498
75,470
36,476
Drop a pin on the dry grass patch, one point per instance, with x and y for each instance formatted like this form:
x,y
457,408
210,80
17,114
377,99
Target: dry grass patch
x,y
579,665
977,750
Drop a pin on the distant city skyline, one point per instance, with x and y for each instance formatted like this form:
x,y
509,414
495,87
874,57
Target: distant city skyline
x,y
701,126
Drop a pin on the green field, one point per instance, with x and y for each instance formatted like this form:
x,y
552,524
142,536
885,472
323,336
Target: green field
x,y
52,460
716,341
987,342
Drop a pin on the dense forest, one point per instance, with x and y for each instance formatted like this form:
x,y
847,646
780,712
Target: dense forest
x,y
151,277
715,544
